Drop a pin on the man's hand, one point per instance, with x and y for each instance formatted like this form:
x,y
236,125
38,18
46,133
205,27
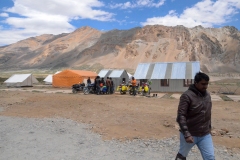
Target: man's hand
x,y
189,139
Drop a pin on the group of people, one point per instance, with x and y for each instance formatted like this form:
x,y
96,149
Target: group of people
x,y
99,83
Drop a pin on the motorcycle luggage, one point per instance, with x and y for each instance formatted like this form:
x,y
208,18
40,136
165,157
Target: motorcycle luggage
x,y
146,88
124,88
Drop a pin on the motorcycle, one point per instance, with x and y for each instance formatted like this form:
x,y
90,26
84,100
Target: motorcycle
x,y
145,89
89,89
77,87
123,88
130,88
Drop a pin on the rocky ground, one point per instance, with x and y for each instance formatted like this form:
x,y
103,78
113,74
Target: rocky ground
x,y
46,125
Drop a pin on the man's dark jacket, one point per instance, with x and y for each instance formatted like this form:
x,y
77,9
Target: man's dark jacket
x,y
194,113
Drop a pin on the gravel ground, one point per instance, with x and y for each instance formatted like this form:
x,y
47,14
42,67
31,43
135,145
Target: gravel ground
x,y
64,139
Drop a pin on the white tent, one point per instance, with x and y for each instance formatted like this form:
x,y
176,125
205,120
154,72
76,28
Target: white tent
x,y
48,79
20,80
129,75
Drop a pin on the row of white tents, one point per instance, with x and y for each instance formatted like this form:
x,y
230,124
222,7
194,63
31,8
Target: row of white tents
x,y
22,80
165,76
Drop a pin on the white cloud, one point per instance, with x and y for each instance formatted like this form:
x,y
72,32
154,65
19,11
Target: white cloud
x,y
48,17
206,13
137,4
3,15
69,8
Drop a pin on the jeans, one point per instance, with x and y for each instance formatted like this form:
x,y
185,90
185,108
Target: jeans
x,y
204,144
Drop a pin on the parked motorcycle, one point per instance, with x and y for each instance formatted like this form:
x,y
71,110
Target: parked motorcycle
x,y
89,89
130,89
78,87
122,88
145,89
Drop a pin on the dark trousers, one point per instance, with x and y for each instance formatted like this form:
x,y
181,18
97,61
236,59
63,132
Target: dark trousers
x,y
112,89
108,89
134,90
97,89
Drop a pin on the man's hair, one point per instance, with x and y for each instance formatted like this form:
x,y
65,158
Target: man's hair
x,y
200,76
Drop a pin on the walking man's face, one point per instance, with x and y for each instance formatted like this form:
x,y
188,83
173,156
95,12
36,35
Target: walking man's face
x,y
202,85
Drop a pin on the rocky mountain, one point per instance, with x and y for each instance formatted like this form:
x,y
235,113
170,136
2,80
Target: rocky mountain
x,y
217,49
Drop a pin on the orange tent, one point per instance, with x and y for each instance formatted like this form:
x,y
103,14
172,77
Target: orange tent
x,y
67,77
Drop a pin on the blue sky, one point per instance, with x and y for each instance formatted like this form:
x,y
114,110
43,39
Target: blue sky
x,y
20,19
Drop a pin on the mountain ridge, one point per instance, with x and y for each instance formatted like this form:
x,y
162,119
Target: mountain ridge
x,y
217,49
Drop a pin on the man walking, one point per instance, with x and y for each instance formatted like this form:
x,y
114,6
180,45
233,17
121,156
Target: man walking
x,y
194,119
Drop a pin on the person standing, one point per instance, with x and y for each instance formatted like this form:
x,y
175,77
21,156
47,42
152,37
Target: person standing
x,y
97,85
108,84
134,84
194,119
89,81
102,82
112,86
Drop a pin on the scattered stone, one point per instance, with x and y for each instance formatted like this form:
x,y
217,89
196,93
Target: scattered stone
x,y
176,126
224,129
166,124
214,133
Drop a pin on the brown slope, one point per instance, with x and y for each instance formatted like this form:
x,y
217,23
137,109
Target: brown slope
x,y
217,49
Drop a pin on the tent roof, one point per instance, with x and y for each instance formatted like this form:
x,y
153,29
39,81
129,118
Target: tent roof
x,y
167,70
57,72
129,75
77,72
48,78
17,78
116,73
104,72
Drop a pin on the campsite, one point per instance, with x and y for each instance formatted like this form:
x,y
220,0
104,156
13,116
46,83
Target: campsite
x,y
126,118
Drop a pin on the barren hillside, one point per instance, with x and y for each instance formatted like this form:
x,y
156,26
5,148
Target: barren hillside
x,y
218,50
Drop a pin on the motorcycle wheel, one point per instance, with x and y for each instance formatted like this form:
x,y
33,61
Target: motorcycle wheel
x,y
86,91
143,93
74,91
